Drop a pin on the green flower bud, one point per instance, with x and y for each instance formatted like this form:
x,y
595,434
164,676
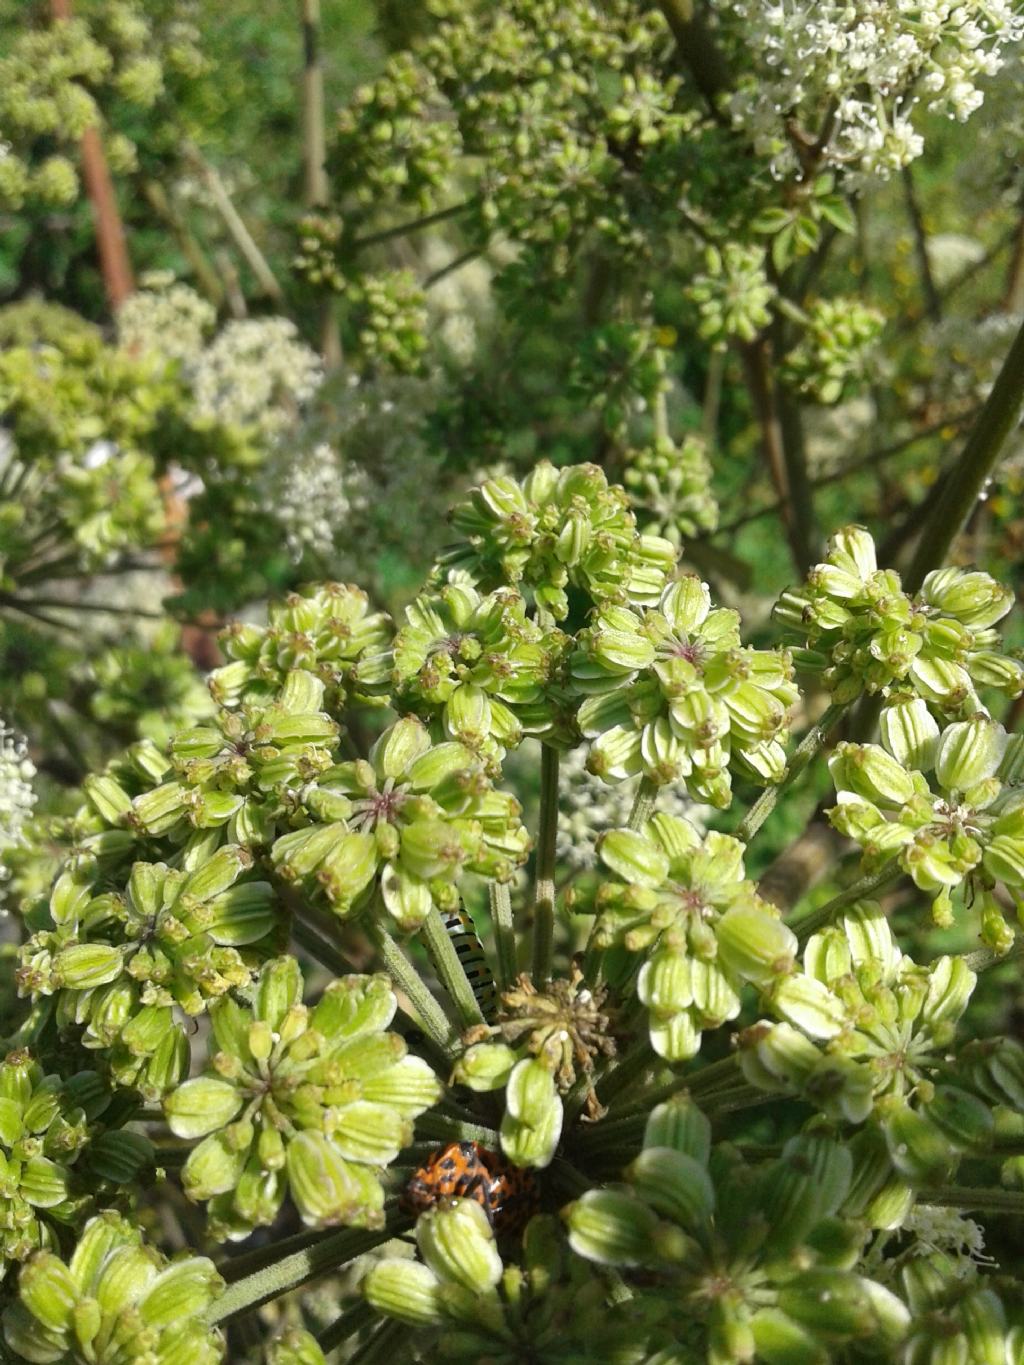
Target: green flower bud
x,y
457,1243
611,1227
664,984
485,1066
532,1124
781,1341
327,1188
755,944
869,772
180,1292
404,1290
962,1118
83,966
918,1148
910,732
636,859
201,1106
48,1290
810,1005
674,1185
968,752
681,1125
973,598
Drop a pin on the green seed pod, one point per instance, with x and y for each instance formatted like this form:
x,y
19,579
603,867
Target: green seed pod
x,y
680,1124
201,1106
920,1151
781,1341
809,1005
755,944
962,1118
296,1347
910,732
485,1066
83,966
673,1184
611,1227
969,752
328,1189
404,1290
457,1242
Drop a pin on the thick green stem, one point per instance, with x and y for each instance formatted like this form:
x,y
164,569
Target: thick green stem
x,y
967,479
450,970
984,1200
432,1018
643,803
808,748
504,933
807,924
544,885
696,48
288,1272
435,1125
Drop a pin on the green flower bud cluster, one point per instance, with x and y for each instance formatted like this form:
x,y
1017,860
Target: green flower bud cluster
x,y
669,487
121,963
684,903
480,665
832,359
755,1257
670,692
467,1305
300,1100
865,1034
732,295
61,1152
556,530
945,806
328,630
116,1301
316,260
394,142
159,674
866,634
620,371
408,821
391,320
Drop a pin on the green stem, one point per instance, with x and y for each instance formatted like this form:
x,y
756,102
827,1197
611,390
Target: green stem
x,y
984,958
544,885
504,933
967,478
807,924
288,1272
643,804
450,970
985,1200
355,1319
432,1018
808,748
435,1125
388,1346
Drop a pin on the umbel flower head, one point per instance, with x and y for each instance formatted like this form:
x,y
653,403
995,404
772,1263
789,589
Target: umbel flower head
x,y
411,819
867,634
944,806
479,664
307,1100
121,962
866,1034
328,630
670,692
752,1261
48,1127
555,530
684,903
117,1301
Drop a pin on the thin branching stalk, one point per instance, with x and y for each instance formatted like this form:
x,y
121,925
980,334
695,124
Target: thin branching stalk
x,y
643,803
448,1129
504,933
353,1320
811,921
808,748
432,1018
982,1200
544,885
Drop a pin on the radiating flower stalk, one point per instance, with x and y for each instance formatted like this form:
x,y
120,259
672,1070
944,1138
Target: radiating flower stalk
x,y
555,1104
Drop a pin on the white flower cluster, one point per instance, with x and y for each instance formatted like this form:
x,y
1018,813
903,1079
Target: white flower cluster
x,y
588,807
167,318
17,798
311,493
856,69
943,1230
258,374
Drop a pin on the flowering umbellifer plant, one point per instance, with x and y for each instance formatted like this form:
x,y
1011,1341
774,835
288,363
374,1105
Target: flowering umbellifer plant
x,y
557,1093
